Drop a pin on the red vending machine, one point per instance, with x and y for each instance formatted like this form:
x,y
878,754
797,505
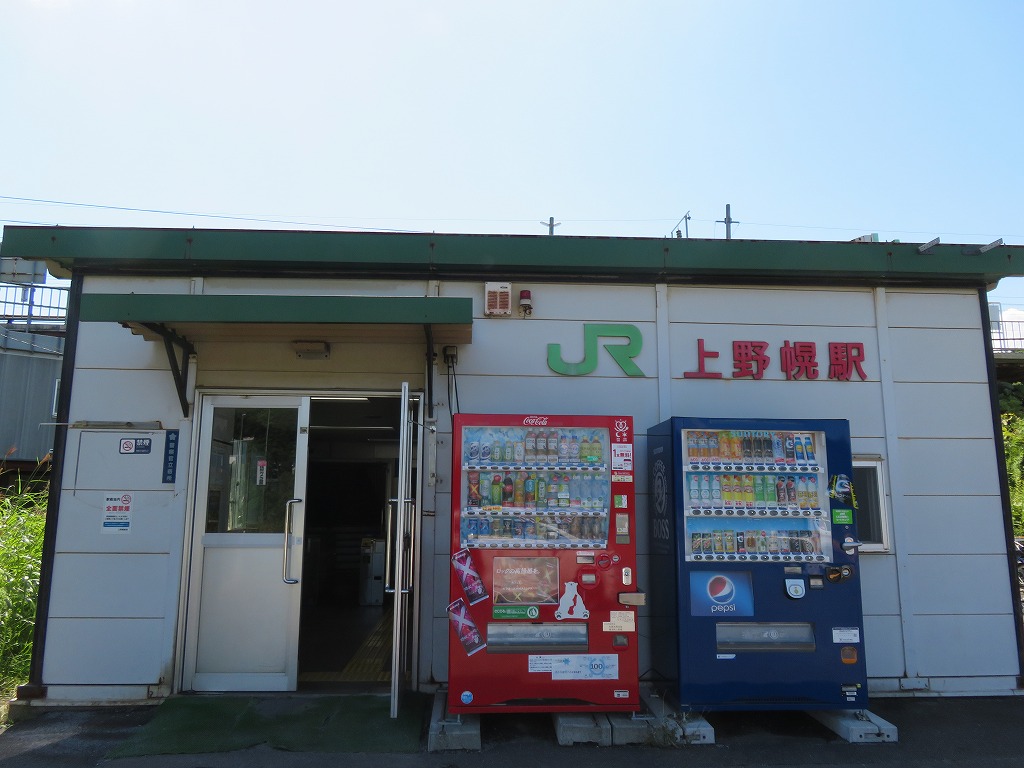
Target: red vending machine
x,y
543,608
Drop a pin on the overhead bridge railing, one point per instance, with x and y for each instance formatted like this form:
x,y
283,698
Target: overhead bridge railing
x,y
33,308
1007,336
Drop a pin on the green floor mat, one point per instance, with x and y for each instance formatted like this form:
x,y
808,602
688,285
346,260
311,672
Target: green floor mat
x,y
198,724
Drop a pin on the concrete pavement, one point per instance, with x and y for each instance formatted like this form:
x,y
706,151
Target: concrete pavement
x,y
932,732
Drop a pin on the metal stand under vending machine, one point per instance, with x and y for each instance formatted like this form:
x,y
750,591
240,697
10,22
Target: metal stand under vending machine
x,y
755,575
544,600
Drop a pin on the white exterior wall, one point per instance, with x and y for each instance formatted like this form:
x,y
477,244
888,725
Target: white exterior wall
x,y
114,597
938,610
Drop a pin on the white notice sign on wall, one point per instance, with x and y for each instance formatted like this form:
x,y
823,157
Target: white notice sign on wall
x,y
117,513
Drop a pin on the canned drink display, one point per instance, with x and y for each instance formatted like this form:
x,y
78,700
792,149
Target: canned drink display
x,y
697,543
729,542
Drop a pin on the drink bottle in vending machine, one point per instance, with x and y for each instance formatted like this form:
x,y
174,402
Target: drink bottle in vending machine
x,y
756,600
543,591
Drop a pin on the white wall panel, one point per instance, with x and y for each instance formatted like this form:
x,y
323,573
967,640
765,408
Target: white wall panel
x,y
943,410
762,305
883,646
101,464
859,402
952,647
932,309
124,395
878,580
961,467
93,585
566,395
953,525
959,584
103,651
108,345
920,354
135,284
439,648
156,522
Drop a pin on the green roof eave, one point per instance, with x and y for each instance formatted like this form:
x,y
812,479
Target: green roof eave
x,y
101,250
172,309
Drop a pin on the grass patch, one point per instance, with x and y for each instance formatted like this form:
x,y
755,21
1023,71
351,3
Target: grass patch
x,y
22,521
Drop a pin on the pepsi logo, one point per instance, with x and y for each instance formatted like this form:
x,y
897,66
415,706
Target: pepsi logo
x,y
721,589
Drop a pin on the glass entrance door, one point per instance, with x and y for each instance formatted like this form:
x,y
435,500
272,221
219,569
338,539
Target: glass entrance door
x,y
247,545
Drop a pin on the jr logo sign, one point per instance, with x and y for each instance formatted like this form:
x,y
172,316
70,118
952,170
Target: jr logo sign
x,y
622,352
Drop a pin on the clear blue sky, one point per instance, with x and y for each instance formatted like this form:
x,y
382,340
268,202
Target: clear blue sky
x,y
814,119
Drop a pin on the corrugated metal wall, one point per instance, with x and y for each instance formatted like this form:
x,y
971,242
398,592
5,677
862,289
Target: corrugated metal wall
x,y
30,366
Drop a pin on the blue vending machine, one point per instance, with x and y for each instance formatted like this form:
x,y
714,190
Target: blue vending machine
x,y
755,584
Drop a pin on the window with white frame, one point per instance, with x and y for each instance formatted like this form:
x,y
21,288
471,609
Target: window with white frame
x,y
872,512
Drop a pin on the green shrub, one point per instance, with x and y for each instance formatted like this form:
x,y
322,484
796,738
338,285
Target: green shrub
x,y
1013,445
22,520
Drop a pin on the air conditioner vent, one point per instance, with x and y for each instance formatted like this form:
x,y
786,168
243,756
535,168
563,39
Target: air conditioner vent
x,y
498,299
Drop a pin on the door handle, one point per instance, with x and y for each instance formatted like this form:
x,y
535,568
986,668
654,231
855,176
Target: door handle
x,y
851,546
287,559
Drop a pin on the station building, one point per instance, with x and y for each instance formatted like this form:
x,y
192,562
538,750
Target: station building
x,y
243,416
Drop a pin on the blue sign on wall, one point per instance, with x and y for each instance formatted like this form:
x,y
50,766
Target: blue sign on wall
x,y
170,455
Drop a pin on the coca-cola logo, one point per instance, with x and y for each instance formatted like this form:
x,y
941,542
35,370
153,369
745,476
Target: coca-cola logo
x,y
536,421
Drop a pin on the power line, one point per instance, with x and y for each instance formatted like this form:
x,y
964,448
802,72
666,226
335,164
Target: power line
x,y
305,223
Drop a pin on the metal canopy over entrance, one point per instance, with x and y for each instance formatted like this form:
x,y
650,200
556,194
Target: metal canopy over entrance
x,y
182,321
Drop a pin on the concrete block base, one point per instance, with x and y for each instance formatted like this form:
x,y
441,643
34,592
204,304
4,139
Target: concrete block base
x,y
857,726
671,727
583,728
451,731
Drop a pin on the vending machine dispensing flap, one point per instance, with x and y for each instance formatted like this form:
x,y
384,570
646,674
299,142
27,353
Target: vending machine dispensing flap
x,y
537,638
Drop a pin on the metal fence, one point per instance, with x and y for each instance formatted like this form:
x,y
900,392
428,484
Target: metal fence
x,y
1007,335
27,307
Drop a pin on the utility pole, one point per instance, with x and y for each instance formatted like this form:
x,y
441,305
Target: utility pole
x,y
728,221
686,219
551,224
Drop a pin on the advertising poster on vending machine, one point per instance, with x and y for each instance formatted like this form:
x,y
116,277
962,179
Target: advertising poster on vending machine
x,y
543,578
753,526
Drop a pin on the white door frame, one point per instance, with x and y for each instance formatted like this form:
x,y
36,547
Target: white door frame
x,y
192,556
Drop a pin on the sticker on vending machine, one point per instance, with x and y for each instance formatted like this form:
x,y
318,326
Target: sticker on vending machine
x,y
464,626
472,584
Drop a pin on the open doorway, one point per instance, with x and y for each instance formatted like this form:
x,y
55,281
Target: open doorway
x,y
345,633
